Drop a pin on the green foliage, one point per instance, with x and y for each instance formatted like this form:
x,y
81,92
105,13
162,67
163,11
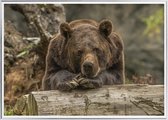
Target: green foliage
x,y
128,81
25,51
154,23
8,111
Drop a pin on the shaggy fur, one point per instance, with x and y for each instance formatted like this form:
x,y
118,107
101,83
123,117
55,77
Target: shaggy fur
x,y
88,48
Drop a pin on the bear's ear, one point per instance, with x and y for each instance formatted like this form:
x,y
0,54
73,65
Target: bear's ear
x,y
65,30
105,27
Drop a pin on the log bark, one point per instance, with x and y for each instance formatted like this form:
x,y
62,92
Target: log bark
x,y
129,99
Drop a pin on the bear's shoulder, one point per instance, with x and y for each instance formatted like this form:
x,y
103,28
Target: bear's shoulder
x,y
77,23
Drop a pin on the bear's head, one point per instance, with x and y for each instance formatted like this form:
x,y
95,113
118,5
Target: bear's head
x,y
90,47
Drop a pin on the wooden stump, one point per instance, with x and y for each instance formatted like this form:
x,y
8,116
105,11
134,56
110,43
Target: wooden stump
x,y
109,100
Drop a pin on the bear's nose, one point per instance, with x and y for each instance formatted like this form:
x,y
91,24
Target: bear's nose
x,y
88,66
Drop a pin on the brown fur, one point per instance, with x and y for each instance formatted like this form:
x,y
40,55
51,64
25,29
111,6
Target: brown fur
x,y
86,47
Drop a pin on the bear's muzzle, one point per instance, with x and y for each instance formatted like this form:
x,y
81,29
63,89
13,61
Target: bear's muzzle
x,y
90,66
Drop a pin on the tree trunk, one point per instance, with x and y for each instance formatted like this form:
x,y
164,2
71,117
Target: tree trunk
x,y
27,32
42,19
110,100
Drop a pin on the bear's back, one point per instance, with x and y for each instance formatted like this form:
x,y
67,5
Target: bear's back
x,y
77,23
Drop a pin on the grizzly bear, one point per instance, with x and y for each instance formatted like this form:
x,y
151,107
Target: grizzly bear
x,y
85,54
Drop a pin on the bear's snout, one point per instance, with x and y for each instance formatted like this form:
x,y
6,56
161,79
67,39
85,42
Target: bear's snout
x,y
90,66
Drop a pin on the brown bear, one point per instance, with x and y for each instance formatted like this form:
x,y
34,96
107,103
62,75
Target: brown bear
x,y
85,54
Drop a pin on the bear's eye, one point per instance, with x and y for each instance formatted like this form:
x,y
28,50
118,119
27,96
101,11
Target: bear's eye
x,y
79,52
96,50
99,52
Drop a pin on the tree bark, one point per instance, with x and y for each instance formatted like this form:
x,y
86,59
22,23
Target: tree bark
x,y
44,21
130,99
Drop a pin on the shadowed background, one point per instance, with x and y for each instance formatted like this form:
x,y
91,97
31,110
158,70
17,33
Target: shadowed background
x,y
140,26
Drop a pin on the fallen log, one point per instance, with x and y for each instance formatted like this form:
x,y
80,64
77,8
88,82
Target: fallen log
x,y
129,99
